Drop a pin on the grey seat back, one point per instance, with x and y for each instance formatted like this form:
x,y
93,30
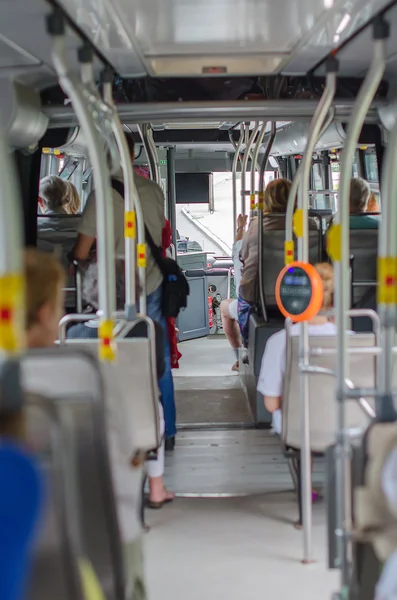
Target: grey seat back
x,y
73,380
273,258
322,398
364,250
60,242
132,379
54,570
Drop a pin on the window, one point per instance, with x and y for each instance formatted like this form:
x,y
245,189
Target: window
x,y
371,166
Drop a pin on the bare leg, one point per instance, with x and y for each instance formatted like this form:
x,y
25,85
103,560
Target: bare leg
x,y
231,329
155,470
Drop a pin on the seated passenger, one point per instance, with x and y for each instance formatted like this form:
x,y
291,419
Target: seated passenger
x,y
158,495
56,229
359,197
44,307
271,376
58,199
229,305
275,202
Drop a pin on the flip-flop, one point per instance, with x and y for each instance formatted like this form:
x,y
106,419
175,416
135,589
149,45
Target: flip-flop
x,y
157,505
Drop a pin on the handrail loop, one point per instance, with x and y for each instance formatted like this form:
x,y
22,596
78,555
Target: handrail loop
x,y
236,157
262,170
74,89
254,170
134,226
247,155
102,112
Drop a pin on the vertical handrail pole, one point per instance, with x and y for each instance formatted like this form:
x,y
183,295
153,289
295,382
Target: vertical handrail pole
x,y
12,338
134,225
260,216
342,292
387,282
234,176
73,87
254,170
244,166
303,255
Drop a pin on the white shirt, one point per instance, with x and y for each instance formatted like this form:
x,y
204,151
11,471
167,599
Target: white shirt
x,y
238,265
271,376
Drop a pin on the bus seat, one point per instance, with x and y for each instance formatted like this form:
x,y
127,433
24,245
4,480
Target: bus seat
x,y
322,399
72,381
133,379
273,259
375,515
364,253
60,243
54,569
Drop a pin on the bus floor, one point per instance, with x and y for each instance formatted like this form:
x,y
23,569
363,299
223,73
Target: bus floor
x,y
229,533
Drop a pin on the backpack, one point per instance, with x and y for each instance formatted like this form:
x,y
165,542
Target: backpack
x,y
175,286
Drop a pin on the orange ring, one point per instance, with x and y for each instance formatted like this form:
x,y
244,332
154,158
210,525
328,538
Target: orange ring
x,y
316,300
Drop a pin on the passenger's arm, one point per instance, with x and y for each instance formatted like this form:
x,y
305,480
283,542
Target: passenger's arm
x,y
87,230
271,376
82,247
272,403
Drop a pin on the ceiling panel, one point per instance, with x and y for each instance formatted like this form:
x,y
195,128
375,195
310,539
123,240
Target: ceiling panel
x,y
357,55
345,18
25,47
204,37
182,37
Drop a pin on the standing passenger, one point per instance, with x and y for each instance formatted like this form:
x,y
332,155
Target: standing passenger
x,y
152,202
229,306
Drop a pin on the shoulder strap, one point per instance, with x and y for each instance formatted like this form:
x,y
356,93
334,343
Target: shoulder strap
x,y
155,250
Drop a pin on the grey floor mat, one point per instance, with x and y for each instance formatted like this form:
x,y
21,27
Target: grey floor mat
x,y
210,400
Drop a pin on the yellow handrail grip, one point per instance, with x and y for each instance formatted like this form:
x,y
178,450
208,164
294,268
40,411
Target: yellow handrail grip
x,y
141,252
298,223
90,583
334,242
11,320
289,252
387,280
107,351
130,224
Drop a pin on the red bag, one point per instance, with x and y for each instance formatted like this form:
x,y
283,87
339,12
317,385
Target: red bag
x,y
171,330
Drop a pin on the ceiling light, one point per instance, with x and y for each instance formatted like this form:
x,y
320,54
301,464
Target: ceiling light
x,y
343,24
328,4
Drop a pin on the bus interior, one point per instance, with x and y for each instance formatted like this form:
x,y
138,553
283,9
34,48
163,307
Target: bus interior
x,y
221,98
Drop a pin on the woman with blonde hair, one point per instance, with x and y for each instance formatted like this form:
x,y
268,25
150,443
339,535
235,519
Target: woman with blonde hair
x,y
57,196
72,207
275,204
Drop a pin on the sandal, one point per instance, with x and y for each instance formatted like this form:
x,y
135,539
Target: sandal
x,y
235,367
157,505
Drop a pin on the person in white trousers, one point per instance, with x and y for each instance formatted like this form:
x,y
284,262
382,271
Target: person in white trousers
x,y
229,306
